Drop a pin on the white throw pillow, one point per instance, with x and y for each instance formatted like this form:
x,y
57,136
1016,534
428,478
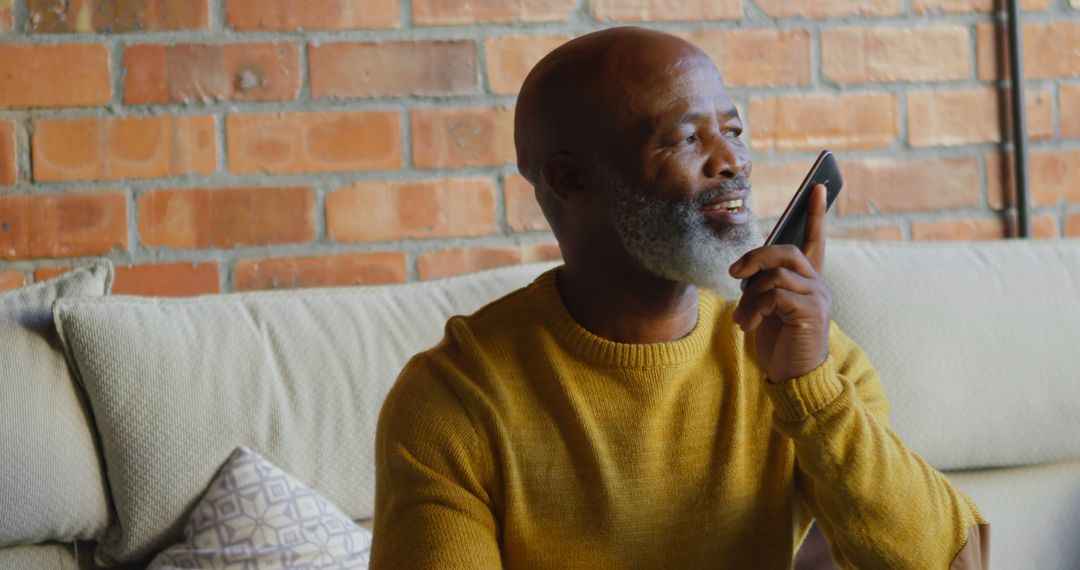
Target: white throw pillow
x,y
52,483
256,516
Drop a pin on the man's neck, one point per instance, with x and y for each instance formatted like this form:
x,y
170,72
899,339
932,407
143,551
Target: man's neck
x,y
628,307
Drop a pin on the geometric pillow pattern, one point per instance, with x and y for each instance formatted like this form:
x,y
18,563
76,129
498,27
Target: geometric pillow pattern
x,y
255,516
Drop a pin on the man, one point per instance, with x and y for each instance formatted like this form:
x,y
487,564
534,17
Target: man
x,y
617,413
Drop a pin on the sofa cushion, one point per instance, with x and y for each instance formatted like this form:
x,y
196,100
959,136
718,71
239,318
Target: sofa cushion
x,y
47,556
254,515
1034,513
177,384
51,481
976,344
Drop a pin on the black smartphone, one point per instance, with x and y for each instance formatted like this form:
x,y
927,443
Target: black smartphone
x,y
791,227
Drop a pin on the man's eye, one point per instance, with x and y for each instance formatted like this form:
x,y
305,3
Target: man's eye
x,y
733,133
691,139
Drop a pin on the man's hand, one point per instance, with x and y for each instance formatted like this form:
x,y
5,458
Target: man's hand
x,y
789,306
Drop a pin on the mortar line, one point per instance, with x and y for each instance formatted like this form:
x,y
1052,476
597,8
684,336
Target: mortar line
x,y
24,174
218,19
20,18
303,68
502,224
221,145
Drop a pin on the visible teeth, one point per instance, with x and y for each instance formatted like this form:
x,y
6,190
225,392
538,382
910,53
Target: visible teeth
x,y
728,205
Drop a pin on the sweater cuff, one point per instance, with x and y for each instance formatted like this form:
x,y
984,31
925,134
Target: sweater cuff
x,y
800,397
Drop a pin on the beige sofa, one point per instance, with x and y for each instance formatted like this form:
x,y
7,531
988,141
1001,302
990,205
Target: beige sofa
x,y
103,459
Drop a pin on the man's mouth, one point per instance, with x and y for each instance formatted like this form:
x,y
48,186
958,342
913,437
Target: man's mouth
x,y
733,206
726,210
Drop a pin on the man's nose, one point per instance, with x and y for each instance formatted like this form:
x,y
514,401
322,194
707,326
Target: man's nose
x,y
727,158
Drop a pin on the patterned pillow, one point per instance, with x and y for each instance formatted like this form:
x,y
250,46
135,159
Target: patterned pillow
x,y
256,516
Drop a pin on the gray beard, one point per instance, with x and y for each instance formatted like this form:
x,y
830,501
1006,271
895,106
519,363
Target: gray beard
x,y
673,240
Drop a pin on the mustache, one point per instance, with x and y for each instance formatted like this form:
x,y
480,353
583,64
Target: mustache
x,y
721,190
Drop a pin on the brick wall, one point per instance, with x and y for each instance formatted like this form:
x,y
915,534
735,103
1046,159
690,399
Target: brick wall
x,y
227,145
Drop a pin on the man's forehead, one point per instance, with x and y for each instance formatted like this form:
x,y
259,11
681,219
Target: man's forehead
x,y
685,85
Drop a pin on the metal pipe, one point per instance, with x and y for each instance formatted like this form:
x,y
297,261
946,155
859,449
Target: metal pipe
x,y
1019,122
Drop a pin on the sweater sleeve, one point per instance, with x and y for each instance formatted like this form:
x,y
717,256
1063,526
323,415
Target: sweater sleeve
x,y
879,504
432,507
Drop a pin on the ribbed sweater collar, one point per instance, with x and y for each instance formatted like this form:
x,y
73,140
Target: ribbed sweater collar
x,y
598,350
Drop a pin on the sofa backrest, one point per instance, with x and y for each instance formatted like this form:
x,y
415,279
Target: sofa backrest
x,y
299,376
978,345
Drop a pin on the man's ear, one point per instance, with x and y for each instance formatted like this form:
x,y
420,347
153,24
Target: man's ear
x,y
562,174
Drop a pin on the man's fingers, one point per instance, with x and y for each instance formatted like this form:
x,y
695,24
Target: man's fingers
x,y
772,257
780,278
813,246
778,302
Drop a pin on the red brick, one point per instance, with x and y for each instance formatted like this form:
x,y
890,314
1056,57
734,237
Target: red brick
x,y
1072,225
775,183
117,16
73,75
288,143
959,230
447,262
450,12
1069,107
226,217
830,9
44,273
1042,227
62,225
510,58
1039,106
964,116
8,172
523,214
393,68
1048,50
887,185
340,270
6,22
158,280
757,58
462,137
665,10
11,280
882,232
937,118
190,73
382,211
114,149
539,252
1053,175
167,279
873,55
813,122
968,6
290,15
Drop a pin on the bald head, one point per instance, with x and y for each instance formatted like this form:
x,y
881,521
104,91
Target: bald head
x,y
578,98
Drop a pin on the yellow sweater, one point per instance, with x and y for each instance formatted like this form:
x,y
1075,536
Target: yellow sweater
x,y
524,441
